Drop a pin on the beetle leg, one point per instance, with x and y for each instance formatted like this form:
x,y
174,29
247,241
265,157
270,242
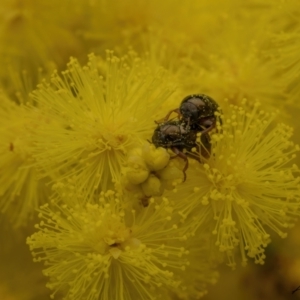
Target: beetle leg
x,y
176,110
166,118
184,157
204,146
211,122
206,130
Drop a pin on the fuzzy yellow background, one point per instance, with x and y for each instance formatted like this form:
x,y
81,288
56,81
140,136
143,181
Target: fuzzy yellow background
x,y
82,83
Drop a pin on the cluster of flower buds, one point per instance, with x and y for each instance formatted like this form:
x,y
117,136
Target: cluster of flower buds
x,y
149,171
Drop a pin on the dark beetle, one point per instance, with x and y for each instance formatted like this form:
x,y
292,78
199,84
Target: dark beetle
x,y
176,136
198,112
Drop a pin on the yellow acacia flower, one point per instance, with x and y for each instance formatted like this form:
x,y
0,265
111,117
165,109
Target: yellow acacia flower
x,y
36,34
247,187
216,48
238,69
175,26
108,250
282,49
107,108
21,190
287,61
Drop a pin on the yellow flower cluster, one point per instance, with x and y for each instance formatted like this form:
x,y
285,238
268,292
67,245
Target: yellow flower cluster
x,y
21,189
248,185
101,109
108,251
120,217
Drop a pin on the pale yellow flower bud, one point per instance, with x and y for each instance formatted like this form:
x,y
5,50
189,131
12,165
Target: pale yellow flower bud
x,y
137,176
152,186
156,158
137,171
170,172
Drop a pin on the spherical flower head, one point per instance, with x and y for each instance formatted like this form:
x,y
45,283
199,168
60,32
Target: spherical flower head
x,y
35,34
107,250
286,62
242,65
247,187
104,108
283,45
21,190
